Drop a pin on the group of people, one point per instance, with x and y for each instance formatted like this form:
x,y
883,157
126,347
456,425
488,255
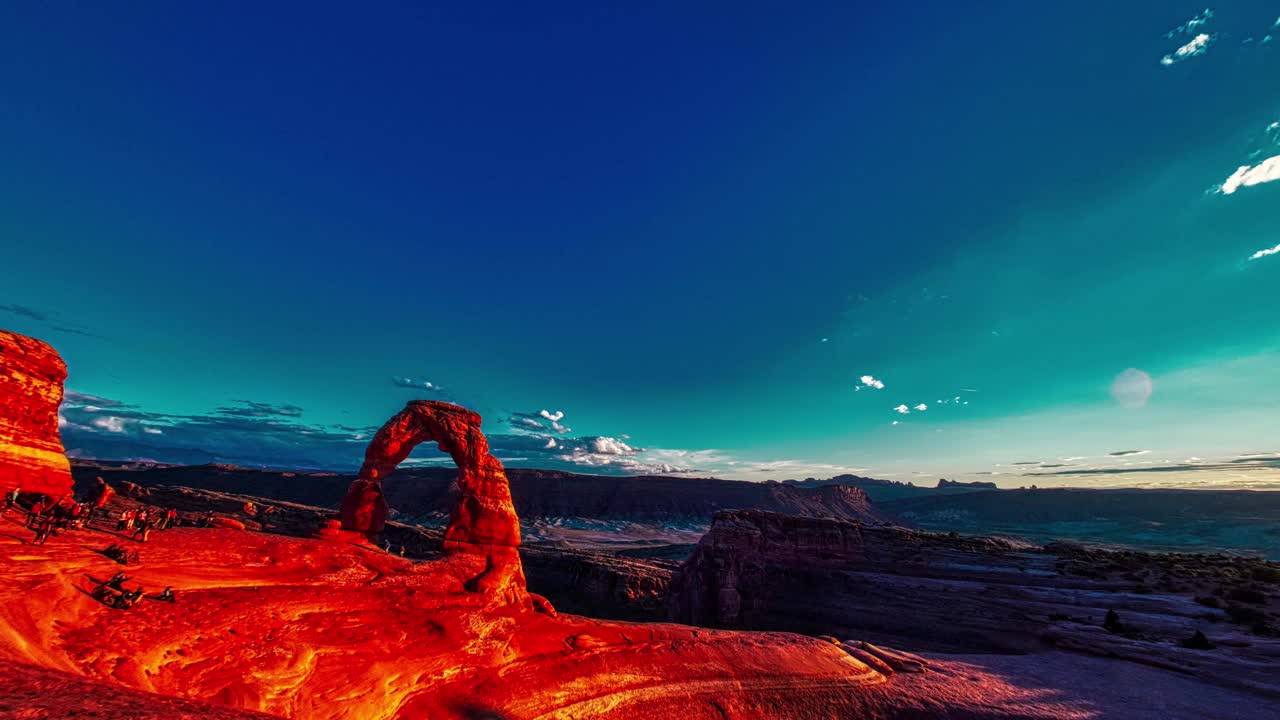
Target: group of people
x,y
46,517
142,520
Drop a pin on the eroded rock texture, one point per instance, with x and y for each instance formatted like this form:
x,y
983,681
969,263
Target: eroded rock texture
x,y
483,523
31,454
954,593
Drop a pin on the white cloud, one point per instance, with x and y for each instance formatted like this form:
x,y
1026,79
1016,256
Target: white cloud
x,y
1264,253
871,382
903,409
560,428
527,422
152,431
1248,176
110,423
895,422
922,407
610,446
1197,46
551,443
556,416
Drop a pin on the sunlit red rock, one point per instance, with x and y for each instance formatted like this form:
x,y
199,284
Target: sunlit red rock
x,y
31,454
483,525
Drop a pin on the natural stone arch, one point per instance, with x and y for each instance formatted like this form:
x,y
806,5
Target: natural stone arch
x,y
483,525
483,514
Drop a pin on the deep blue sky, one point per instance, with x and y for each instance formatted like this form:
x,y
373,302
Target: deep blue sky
x,y
693,227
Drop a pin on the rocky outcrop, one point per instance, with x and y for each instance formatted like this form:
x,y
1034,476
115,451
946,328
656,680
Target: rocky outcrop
x,y
598,584
31,454
954,593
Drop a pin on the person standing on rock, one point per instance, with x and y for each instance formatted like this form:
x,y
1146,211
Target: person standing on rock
x,y
143,530
37,509
43,526
10,501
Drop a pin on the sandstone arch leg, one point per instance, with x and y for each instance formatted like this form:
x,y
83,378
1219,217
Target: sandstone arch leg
x,y
483,522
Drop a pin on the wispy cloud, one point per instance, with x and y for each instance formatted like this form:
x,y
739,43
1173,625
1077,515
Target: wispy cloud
x,y
24,311
249,408
1264,253
1197,46
922,407
902,409
406,382
47,319
1191,25
871,382
1126,453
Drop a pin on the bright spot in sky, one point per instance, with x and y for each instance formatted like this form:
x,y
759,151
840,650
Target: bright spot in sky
x,y
1131,388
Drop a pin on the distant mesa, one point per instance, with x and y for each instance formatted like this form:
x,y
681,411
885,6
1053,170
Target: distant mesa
x,y
944,484
31,453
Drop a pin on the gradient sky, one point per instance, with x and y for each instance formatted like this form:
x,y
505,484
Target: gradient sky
x,y
250,231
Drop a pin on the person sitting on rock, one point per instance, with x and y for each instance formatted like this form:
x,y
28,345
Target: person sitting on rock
x,y
170,518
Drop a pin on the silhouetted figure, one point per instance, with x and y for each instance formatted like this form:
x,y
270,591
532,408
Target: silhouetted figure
x,y
117,581
1111,623
1197,642
166,595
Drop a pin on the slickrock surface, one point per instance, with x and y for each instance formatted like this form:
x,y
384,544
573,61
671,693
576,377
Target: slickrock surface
x,y
31,456
320,629
963,594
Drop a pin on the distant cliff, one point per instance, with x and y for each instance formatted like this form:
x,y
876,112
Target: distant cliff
x,y
537,493
883,490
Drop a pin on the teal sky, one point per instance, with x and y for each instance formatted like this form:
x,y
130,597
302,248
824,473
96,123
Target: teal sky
x,y
255,234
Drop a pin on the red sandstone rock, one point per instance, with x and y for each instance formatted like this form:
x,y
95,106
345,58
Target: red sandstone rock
x,y
31,454
483,524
